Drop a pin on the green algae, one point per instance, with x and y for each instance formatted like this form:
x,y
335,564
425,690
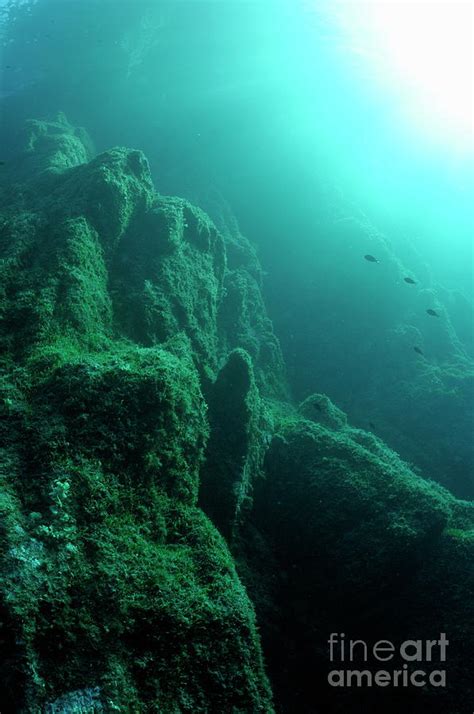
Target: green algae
x,y
347,538
320,409
168,279
240,427
141,385
360,505
116,589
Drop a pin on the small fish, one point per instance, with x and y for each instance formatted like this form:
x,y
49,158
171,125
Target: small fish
x,y
432,312
371,258
418,351
410,281
372,425
317,406
2,163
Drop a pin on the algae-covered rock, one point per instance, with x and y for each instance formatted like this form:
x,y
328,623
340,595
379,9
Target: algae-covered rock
x,y
91,252
78,702
243,320
345,538
140,412
139,598
116,591
244,323
55,264
328,496
51,146
239,437
143,406
320,409
167,278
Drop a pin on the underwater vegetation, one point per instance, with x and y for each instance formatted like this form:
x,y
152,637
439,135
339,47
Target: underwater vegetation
x,y
176,533
236,357
115,587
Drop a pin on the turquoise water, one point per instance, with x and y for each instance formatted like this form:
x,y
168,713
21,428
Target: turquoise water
x,y
246,90
337,138
292,114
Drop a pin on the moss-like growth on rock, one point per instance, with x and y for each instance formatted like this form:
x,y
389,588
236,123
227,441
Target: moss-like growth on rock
x,y
363,509
320,409
116,591
51,146
140,371
240,433
344,537
168,277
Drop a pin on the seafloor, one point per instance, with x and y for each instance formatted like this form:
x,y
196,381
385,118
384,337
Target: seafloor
x,y
176,535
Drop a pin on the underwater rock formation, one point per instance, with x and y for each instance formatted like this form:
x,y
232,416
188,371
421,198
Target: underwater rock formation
x,y
345,538
152,463
240,433
116,591
50,146
319,408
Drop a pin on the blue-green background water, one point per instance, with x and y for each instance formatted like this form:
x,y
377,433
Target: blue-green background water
x,y
268,107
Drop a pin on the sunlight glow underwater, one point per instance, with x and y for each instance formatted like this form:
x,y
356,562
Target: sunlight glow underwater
x,y
419,54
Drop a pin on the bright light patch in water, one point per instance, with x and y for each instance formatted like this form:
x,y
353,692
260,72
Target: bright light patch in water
x,y
421,54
